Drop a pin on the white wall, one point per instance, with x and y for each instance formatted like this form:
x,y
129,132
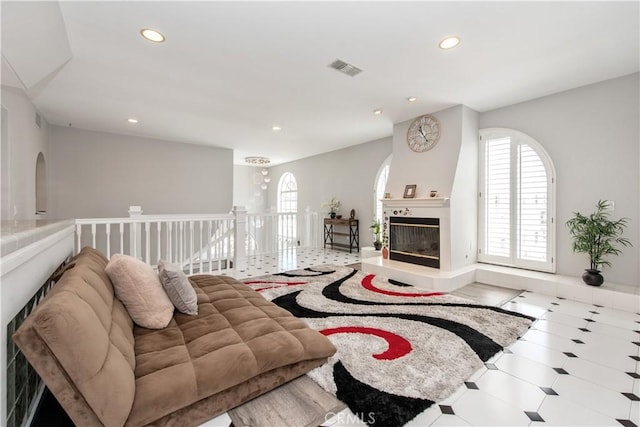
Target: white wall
x,y
97,174
24,140
347,174
430,170
592,136
246,188
464,194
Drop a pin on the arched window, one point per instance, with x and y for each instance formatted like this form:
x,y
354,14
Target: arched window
x,y
378,190
41,185
287,209
287,193
517,201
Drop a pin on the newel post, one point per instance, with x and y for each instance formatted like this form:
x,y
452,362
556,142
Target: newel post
x,y
307,239
135,232
240,237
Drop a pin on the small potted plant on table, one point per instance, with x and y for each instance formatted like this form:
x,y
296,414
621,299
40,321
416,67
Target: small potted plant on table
x,y
598,236
333,205
375,228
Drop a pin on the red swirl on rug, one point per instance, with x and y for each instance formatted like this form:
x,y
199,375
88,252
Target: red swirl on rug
x,y
398,346
367,283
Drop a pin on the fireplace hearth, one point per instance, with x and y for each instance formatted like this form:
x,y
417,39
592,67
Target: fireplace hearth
x,y
415,240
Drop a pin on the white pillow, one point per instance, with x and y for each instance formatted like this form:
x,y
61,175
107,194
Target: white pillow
x,y
140,290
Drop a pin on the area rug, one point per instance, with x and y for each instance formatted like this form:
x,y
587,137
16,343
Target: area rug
x,y
400,349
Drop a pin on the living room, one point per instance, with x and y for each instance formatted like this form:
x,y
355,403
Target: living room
x,y
577,99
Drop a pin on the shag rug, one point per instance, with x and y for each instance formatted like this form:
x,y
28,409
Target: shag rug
x,y
400,349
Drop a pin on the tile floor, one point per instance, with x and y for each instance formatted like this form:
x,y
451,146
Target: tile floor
x,y
578,365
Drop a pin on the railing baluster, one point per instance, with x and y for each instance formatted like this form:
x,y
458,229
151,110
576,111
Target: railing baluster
x,y
78,237
93,236
190,247
158,240
200,247
108,233
147,242
181,253
209,237
170,241
122,237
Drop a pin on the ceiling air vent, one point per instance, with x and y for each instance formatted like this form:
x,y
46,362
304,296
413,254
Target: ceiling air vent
x,y
348,69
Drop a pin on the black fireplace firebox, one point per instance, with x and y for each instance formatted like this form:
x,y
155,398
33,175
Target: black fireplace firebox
x,y
415,240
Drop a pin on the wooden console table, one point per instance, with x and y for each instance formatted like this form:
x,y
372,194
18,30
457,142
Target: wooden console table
x,y
348,228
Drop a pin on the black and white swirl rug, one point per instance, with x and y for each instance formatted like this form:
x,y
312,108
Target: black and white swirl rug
x,y
400,349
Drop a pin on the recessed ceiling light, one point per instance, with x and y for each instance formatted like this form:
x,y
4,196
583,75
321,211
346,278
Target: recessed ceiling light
x,y
449,42
377,112
152,35
412,99
132,120
276,128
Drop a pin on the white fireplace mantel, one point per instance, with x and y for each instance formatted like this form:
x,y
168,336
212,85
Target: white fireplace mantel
x,y
432,202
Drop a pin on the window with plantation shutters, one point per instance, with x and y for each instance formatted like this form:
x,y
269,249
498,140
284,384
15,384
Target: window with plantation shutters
x,y
516,198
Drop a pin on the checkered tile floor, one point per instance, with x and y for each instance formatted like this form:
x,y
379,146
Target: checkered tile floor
x,y
578,365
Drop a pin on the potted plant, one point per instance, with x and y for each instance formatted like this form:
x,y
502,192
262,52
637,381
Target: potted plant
x,y
598,236
375,228
333,205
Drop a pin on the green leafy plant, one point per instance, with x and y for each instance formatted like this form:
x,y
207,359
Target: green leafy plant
x,y
375,228
597,235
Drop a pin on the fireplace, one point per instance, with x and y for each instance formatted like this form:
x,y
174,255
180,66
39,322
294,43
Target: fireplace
x,y
415,240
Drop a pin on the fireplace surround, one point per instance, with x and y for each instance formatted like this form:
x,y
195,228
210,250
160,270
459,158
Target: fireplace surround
x,y
415,240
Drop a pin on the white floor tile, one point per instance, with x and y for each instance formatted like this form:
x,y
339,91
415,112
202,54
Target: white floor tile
x,y
615,321
559,329
538,353
634,416
602,355
565,319
527,370
512,390
574,308
426,418
551,341
524,308
558,411
538,299
446,420
612,344
610,403
613,379
482,409
614,331
222,420
617,314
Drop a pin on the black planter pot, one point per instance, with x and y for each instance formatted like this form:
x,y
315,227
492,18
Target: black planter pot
x,y
377,245
332,215
592,277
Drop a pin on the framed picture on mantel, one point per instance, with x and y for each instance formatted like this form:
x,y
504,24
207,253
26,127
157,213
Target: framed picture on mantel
x,y
409,191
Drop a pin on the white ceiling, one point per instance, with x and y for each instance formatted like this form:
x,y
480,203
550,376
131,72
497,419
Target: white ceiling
x,y
229,71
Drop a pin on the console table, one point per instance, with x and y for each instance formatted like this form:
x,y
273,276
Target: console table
x,y
342,228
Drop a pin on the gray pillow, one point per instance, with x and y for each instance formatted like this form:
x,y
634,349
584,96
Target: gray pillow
x,y
178,288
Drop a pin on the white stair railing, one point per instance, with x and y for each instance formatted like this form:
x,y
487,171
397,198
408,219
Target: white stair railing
x,y
200,243
175,238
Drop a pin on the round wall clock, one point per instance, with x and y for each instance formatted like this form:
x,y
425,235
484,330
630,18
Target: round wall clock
x,y
423,133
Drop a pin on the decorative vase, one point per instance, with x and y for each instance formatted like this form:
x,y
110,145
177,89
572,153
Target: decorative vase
x,y
377,245
332,215
385,253
592,277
